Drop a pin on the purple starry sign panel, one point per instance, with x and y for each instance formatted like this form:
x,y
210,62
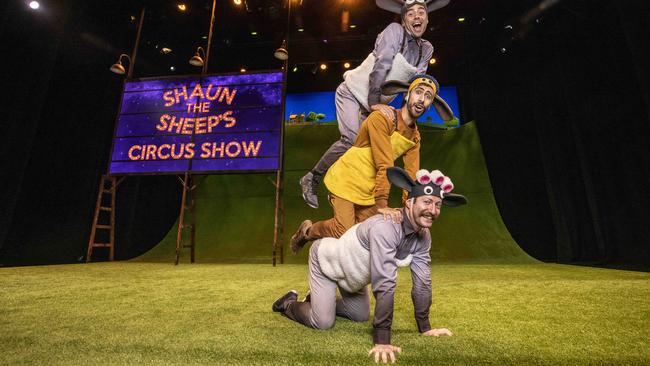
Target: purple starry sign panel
x,y
199,124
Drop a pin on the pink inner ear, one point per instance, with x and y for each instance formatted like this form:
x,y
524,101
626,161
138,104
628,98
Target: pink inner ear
x,y
440,180
424,179
447,187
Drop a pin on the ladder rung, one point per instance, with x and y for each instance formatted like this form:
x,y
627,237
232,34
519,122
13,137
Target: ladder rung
x,y
101,245
106,208
104,227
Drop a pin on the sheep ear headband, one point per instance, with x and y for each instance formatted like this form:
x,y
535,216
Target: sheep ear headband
x,y
426,183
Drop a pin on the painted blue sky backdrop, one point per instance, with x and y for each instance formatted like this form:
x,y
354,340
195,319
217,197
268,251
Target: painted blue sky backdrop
x,y
323,102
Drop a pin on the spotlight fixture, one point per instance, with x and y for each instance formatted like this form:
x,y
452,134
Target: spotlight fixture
x,y
165,50
461,19
301,29
253,33
172,68
197,60
237,2
346,65
295,69
181,6
432,61
117,67
503,50
323,67
281,53
353,26
34,5
242,70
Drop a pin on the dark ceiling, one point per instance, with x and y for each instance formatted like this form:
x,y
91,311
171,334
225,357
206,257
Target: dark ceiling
x,y
318,33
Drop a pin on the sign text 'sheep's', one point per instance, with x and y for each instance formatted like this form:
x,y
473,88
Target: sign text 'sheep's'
x,y
196,101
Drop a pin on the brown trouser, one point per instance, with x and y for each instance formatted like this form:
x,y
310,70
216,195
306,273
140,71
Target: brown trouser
x,y
346,214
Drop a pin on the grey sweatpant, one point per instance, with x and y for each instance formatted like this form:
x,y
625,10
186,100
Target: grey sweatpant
x,y
324,306
349,116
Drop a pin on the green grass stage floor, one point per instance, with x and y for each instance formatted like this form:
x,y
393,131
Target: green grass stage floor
x,y
156,314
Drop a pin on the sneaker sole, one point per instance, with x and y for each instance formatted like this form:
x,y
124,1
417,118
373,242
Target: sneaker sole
x,y
304,198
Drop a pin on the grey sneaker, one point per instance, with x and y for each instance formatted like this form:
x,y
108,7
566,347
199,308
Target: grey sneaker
x,y
308,184
280,304
300,238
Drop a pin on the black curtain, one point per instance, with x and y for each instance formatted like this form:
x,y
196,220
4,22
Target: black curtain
x,y
563,114
58,110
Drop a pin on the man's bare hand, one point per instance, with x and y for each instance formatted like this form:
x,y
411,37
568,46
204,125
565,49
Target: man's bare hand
x,y
385,352
386,110
438,332
394,214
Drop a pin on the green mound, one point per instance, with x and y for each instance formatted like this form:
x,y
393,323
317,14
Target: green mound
x,y
235,213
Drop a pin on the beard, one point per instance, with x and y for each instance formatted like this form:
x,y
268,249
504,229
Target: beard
x,y
413,111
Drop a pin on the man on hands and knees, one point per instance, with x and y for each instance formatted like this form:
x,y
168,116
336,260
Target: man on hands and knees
x,y
370,253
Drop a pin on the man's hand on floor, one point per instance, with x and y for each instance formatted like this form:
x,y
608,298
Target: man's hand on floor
x,y
385,352
438,332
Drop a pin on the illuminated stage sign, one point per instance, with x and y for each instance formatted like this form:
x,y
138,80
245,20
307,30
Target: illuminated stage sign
x,y
199,124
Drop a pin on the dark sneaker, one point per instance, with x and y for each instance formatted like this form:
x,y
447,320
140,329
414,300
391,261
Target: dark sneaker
x,y
300,238
307,296
280,304
308,184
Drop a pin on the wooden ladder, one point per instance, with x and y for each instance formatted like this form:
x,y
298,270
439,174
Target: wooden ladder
x,y
100,207
188,203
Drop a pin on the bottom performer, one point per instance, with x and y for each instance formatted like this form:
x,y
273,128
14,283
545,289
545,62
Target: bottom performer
x,y
369,253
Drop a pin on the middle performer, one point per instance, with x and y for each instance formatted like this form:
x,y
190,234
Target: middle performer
x,y
357,183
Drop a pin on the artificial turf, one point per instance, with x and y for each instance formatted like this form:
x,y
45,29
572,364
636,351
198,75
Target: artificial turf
x,y
156,313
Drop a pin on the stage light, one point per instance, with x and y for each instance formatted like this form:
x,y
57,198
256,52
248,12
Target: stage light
x,y
117,67
172,68
34,5
323,67
237,2
346,65
295,69
181,7
281,53
503,50
432,61
461,19
242,70
165,50
301,29
353,26
253,33
197,60
132,18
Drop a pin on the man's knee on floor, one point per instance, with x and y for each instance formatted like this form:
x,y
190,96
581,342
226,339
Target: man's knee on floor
x,y
323,323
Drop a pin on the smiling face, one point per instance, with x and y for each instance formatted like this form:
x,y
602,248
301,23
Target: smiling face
x,y
424,210
415,20
419,100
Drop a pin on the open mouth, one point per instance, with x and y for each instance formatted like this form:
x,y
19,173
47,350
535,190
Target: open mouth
x,y
417,26
419,108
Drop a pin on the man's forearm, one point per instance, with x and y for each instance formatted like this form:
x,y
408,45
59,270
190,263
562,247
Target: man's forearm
x,y
383,317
